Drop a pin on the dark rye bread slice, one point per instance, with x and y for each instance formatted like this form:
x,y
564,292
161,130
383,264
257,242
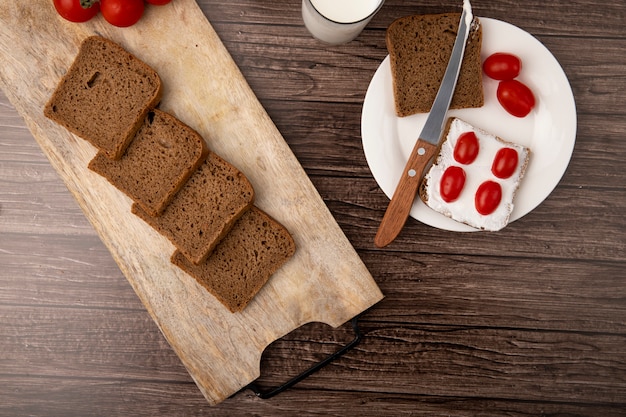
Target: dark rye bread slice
x,y
419,48
243,261
158,162
105,96
204,209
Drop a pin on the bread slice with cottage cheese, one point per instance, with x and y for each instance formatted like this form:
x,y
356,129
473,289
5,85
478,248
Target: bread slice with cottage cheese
x,y
464,208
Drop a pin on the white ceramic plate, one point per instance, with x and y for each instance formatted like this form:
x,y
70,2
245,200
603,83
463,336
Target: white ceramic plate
x,y
549,131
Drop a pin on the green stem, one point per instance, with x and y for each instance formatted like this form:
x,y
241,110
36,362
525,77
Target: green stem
x,y
85,4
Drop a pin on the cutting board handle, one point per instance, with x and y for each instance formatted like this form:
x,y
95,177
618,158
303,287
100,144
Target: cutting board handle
x,y
269,393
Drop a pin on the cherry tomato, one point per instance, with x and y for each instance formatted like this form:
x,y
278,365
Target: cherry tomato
x,y
504,163
72,10
487,198
515,97
502,66
122,13
158,2
466,148
452,182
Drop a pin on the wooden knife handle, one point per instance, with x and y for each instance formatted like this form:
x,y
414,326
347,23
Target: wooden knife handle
x,y
402,200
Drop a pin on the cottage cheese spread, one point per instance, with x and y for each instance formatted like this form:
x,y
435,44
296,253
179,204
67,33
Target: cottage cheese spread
x,y
463,209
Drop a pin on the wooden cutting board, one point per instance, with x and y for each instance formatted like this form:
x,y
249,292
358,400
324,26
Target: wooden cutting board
x,y
325,281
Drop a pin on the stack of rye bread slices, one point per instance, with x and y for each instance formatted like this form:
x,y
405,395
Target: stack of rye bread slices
x,y
203,204
419,48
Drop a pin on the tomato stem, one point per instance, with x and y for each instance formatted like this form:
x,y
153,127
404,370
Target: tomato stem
x,y
86,4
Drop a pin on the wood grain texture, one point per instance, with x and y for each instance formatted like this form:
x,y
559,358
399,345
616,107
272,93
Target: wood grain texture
x,y
525,322
324,281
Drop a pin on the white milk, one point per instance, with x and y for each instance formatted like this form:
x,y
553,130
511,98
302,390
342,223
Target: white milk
x,y
346,11
338,21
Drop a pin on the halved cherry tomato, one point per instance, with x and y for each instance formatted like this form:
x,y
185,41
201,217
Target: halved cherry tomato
x,y
466,148
515,97
72,10
504,163
122,13
452,183
487,198
502,66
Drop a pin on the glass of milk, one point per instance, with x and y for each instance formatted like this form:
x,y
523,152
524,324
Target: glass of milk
x,y
338,21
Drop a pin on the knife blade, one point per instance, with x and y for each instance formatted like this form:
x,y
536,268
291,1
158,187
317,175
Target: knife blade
x,y
428,141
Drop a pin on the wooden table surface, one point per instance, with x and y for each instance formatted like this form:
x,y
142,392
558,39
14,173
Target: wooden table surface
x,y
527,321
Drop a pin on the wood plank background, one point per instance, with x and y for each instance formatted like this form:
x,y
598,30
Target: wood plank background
x,y
220,350
528,321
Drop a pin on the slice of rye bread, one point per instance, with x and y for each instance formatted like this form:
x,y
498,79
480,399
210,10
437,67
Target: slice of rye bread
x,y
158,162
243,261
419,48
205,208
105,96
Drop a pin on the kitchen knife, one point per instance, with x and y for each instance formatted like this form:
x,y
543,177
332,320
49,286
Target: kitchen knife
x,y
426,146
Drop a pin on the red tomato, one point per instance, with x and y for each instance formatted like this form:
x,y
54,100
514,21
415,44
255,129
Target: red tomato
x,y
504,163
502,66
466,148
487,198
73,11
158,2
515,97
122,13
452,182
